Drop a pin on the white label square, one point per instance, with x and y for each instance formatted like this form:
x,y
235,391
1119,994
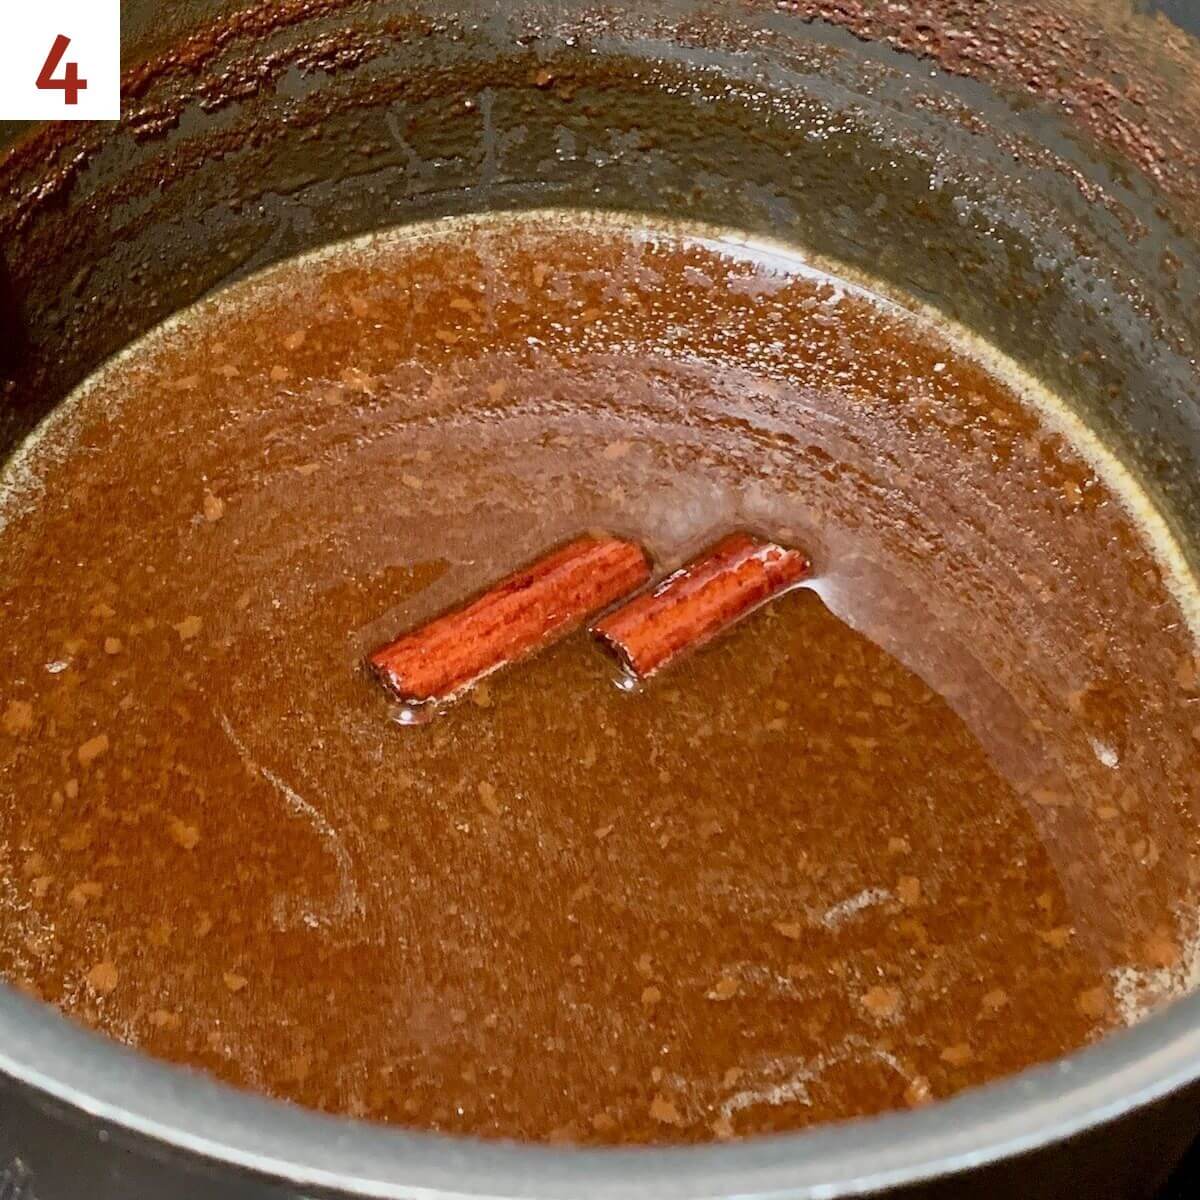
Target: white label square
x,y
60,60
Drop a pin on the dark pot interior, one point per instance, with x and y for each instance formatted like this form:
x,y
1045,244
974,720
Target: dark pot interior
x,y
1029,171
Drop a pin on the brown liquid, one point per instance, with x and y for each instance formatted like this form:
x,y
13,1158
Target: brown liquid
x,y
829,865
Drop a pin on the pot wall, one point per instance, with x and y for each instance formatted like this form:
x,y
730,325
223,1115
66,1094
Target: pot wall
x,y
50,1153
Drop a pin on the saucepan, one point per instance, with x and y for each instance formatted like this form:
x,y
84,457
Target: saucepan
x,y
1030,168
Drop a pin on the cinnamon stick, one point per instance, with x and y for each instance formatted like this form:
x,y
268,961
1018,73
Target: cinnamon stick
x,y
699,601
522,613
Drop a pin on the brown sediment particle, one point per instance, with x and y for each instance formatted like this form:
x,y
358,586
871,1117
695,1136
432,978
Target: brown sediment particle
x,y
1187,674
487,797
699,601
881,1002
1093,1003
958,1055
995,1000
214,507
76,839
18,717
92,749
103,977
184,835
724,989
233,981
1161,951
189,627
524,612
1050,797
81,893
664,1112
1056,938
792,930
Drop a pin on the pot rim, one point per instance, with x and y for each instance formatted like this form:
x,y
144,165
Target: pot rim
x,y
199,1116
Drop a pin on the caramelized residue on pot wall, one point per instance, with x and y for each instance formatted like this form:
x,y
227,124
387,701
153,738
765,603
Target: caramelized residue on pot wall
x,y
922,824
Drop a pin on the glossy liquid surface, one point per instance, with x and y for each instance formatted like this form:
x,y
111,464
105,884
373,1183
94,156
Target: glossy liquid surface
x,y
926,822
